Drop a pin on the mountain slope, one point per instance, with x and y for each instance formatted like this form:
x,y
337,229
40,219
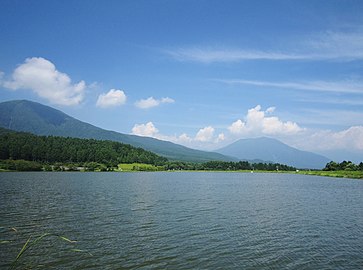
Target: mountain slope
x,y
273,151
17,145
28,116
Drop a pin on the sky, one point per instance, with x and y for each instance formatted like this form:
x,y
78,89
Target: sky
x,y
198,73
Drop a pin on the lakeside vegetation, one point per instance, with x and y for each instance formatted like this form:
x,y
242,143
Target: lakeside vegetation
x,y
25,165
345,169
340,174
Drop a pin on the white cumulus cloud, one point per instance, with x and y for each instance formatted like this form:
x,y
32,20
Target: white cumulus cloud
x,y
41,76
148,130
184,138
205,134
237,127
112,98
167,100
270,110
221,137
152,102
257,123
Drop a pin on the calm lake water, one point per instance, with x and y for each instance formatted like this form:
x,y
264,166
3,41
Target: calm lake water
x,y
182,221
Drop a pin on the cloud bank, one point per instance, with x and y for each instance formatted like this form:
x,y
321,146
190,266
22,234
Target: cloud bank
x,y
258,122
41,76
348,139
204,135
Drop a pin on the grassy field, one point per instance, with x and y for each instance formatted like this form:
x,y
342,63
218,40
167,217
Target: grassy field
x,y
342,174
132,167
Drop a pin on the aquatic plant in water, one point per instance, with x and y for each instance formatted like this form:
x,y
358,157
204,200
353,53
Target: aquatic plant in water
x,y
32,243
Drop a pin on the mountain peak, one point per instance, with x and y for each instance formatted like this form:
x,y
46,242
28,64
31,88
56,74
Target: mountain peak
x,y
273,150
25,115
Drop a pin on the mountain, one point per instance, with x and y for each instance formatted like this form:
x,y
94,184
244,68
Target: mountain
x,y
28,116
272,150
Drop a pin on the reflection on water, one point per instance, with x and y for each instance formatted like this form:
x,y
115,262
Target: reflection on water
x,y
182,220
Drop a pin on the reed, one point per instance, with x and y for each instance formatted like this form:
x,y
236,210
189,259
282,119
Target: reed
x,y
32,243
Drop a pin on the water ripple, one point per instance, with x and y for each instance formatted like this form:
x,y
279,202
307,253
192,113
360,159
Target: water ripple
x,y
182,220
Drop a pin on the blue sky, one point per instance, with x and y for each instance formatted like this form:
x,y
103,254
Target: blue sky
x,y
198,73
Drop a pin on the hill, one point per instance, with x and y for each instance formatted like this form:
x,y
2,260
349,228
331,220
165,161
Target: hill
x,y
28,116
26,146
272,150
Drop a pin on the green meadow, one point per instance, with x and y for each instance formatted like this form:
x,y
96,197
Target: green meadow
x,y
132,167
341,173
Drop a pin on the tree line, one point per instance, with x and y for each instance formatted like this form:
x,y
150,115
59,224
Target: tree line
x,y
343,166
227,166
51,149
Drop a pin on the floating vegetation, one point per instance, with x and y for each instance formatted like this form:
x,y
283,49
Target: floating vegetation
x,y
31,243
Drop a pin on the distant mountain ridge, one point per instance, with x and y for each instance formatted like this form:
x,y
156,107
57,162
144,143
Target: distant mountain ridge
x,y
272,150
36,118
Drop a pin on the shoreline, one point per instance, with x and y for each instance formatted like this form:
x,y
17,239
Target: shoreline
x,y
333,174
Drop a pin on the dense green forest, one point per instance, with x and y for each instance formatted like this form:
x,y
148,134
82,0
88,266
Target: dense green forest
x,y
227,166
343,166
50,149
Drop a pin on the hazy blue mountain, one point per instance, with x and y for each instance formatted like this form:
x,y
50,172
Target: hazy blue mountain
x,y
28,116
273,151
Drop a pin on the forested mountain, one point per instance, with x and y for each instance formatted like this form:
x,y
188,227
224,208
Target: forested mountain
x,y
274,151
28,116
51,149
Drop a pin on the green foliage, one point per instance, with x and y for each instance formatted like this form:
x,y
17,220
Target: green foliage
x,y
50,149
20,165
343,166
340,174
139,167
33,243
227,166
29,244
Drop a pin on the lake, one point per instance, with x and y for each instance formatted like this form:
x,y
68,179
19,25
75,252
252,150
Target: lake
x,y
181,220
